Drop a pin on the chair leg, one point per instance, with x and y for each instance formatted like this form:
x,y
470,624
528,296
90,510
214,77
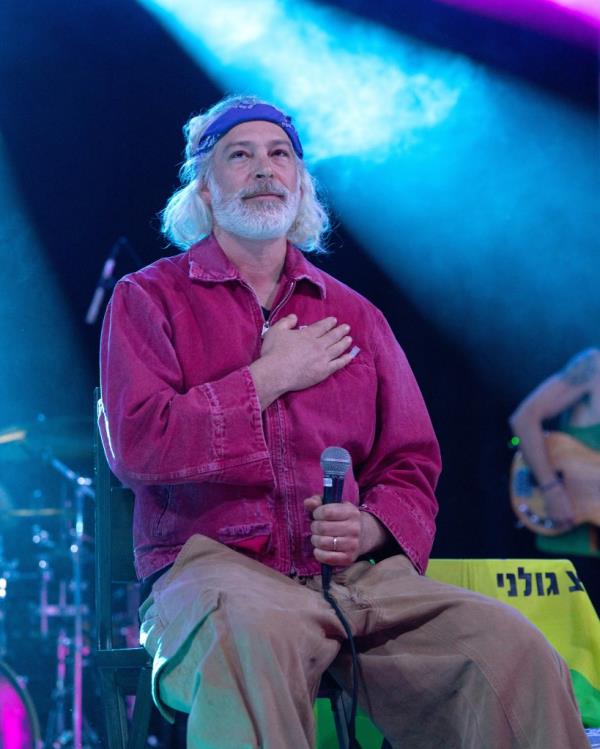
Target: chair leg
x,y
115,711
120,732
140,719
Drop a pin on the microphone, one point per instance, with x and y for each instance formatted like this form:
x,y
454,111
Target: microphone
x,y
104,281
335,462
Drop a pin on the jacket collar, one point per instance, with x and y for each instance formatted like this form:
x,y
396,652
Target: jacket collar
x,y
208,262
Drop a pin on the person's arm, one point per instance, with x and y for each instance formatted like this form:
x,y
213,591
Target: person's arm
x,y
557,393
396,482
157,430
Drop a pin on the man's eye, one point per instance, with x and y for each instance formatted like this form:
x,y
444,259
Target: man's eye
x,y
237,154
281,152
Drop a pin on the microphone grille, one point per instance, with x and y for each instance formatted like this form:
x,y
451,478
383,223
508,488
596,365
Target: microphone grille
x,y
335,461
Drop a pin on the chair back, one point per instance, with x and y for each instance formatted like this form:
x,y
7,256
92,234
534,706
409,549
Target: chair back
x,y
113,538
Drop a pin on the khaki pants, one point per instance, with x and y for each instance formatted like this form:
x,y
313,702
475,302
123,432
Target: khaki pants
x,y
241,648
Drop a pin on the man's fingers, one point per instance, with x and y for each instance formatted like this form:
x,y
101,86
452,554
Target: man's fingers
x,y
336,511
326,543
336,519
335,334
345,552
333,558
339,363
311,503
288,322
335,531
327,327
338,348
335,528
321,327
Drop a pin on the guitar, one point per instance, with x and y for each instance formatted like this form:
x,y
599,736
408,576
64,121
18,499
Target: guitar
x,y
579,468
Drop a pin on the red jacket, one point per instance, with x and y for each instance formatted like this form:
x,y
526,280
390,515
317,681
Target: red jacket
x,y
181,421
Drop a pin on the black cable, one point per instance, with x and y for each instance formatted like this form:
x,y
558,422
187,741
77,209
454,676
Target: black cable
x,y
351,721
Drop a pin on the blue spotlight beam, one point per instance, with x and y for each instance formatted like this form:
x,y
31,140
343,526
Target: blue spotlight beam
x,y
476,193
346,81
42,370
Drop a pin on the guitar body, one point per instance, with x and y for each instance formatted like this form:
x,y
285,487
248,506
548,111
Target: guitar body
x,y
579,467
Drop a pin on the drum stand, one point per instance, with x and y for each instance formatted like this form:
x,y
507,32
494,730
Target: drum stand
x,y
80,734
56,726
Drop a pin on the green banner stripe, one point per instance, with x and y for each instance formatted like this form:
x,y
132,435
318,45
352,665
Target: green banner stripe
x,y
588,699
366,733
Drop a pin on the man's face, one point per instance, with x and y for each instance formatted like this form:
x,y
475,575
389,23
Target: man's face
x,y
253,185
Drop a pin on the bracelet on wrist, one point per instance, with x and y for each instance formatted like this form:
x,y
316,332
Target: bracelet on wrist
x,y
550,485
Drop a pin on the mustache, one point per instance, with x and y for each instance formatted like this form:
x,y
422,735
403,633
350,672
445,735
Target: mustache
x,y
268,188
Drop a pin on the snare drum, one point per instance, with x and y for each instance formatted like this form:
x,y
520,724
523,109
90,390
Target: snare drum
x,y
19,726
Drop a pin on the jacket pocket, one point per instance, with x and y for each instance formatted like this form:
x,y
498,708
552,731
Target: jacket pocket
x,y
248,537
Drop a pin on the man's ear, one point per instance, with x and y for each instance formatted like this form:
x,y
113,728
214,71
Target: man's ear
x,y
205,194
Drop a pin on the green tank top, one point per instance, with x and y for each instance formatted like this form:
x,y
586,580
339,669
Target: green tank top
x,y
584,539
589,436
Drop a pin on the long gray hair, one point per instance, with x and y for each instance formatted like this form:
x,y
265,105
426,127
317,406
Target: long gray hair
x,y
187,218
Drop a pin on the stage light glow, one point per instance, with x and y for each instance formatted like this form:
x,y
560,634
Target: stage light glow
x,y
355,88
42,367
576,19
476,193
588,7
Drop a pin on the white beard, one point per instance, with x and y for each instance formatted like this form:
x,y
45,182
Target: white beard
x,y
255,219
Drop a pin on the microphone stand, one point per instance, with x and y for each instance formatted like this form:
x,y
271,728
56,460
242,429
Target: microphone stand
x,y
106,281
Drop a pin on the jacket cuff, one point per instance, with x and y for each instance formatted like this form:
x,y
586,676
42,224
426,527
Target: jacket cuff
x,y
412,529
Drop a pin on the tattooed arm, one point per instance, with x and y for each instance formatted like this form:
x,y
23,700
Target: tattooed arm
x,y
561,391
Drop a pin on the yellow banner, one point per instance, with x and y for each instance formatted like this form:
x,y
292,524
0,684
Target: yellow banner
x,y
549,593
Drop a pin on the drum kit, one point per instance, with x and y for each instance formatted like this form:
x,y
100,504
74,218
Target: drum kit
x,y
46,555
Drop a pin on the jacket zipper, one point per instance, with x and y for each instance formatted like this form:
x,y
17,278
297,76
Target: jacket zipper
x,y
263,332
265,328
267,323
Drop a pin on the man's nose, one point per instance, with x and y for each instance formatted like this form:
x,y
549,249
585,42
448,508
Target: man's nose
x,y
263,168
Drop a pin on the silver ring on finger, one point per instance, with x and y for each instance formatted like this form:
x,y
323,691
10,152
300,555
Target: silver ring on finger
x,y
335,540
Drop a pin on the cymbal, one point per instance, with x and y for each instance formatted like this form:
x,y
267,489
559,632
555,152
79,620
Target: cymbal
x,y
12,434
63,437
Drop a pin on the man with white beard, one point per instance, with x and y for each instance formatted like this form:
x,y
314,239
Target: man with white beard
x,y
226,371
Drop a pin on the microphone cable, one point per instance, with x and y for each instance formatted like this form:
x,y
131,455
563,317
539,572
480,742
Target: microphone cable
x,y
351,719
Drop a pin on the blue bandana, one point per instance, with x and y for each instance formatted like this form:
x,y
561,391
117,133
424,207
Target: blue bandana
x,y
247,113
